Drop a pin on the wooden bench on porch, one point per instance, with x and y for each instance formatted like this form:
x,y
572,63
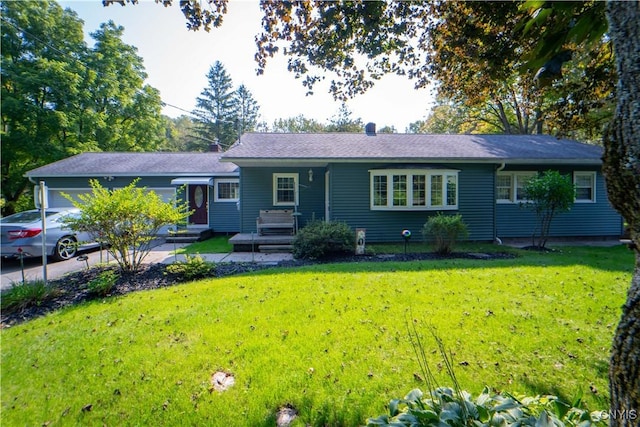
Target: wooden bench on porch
x,y
275,221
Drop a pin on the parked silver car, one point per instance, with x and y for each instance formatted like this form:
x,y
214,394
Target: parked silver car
x,y
21,233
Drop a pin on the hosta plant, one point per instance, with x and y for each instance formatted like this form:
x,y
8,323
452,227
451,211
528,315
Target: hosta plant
x,y
446,407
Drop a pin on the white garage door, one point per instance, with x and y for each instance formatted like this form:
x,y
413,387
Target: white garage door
x,y
57,200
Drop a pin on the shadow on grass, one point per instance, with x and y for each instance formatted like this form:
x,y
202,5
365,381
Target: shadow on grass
x,y
539,388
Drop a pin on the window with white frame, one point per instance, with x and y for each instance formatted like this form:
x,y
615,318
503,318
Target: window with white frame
x,y
585,183
285,189
227,190
510,186
415,189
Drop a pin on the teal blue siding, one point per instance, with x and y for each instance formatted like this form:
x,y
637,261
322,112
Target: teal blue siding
x,y
223,216
583,220
350,202
256,193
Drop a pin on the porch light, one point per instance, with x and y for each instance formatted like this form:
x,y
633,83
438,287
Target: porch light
x,y
310,175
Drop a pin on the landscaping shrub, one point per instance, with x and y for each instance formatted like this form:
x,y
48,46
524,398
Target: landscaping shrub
x,y
444,230
103,284
27,294
320,239
193,267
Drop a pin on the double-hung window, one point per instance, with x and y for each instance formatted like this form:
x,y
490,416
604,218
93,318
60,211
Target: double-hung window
x,y
585,183
510,186
227,190
414,189
285,189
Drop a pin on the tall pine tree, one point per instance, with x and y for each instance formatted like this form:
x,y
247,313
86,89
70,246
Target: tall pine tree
x,y
215,110
246,109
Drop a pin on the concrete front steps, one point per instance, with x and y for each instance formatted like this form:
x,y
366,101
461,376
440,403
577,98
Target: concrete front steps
x,y
188,235
274,243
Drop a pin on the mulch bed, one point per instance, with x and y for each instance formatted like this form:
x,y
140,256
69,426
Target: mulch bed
x,y
72,289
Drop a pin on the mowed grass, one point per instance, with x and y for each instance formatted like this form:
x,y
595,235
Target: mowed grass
x,y
330,340
214,245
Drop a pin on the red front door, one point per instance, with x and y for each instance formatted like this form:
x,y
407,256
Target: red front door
x,y
199,204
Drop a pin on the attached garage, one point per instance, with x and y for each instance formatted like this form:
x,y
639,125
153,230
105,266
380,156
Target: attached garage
x,y
57,200
168,174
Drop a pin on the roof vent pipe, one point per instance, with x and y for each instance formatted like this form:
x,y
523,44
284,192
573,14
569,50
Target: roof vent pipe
x,y
370,129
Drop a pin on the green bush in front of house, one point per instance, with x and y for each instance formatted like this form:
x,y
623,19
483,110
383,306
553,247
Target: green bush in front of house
x,y
193,267
443,230
319,239
103,284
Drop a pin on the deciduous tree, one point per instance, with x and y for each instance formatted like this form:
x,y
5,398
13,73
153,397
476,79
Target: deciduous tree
x,y
126,219
297,124
548,195
124,113
343,122
60,97
41,89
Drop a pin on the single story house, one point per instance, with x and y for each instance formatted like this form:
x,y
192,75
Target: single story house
x,y
210,186
385,183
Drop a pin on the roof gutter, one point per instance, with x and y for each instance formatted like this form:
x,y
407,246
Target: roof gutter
x,y
265,161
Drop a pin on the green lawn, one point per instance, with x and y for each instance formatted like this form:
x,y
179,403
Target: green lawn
x,y
214,245
328,339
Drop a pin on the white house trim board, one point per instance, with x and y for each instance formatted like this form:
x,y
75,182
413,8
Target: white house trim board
x,y
283,185
413,189
216,190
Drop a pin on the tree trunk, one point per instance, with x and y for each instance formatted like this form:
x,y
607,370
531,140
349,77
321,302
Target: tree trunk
x,y
622,172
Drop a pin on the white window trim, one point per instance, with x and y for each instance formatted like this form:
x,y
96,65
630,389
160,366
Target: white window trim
x,y
410,173
296,178
514,185
593,176
216,195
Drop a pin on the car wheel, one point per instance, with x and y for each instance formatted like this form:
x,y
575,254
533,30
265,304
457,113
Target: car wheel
x,y
66,248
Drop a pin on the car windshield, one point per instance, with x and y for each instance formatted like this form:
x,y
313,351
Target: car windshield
x,y
25,217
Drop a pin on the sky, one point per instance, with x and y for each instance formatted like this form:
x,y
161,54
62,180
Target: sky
x,y
177,61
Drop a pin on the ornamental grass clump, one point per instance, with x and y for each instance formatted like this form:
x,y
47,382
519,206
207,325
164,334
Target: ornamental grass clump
x,y
26,294
444,231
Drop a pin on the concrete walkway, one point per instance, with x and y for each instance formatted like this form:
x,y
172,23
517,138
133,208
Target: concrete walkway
x,y
164,254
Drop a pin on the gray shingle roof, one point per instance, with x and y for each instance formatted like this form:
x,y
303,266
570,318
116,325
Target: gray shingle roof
x,y
136,164
255,147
